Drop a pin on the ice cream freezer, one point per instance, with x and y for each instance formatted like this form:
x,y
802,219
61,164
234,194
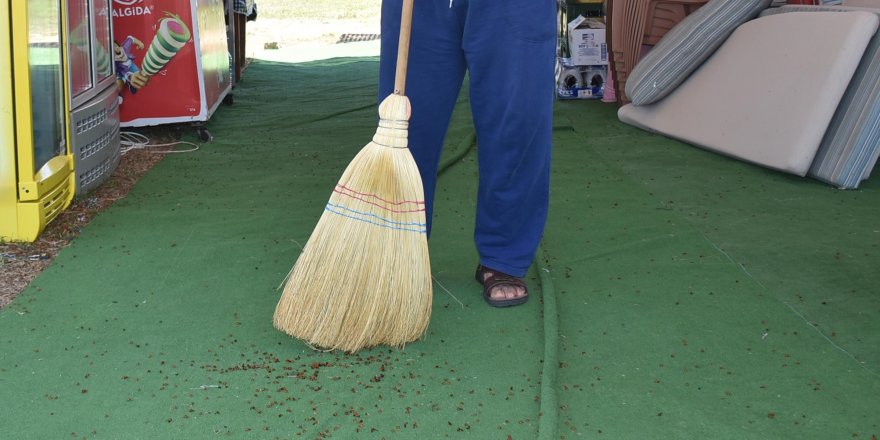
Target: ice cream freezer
x,y
59,124
172,60
92,95
36,169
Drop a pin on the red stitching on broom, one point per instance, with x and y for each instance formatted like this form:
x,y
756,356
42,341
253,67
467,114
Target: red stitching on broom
x,y
398,211
420,202
356,193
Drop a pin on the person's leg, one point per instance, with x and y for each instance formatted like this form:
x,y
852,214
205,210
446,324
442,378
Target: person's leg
x,y
510,51
435,73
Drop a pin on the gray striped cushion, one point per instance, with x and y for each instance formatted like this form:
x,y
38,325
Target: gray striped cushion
x,y
686,46
851,143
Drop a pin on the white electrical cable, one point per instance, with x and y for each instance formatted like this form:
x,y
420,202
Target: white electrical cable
x,y
129,140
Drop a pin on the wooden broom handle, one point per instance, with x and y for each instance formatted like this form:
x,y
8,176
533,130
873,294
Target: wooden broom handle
x,y
403,47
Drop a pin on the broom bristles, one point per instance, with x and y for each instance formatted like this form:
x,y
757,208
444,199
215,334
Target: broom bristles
x,y
364,277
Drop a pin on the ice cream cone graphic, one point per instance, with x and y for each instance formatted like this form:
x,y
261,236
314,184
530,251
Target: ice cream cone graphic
x,y
171,36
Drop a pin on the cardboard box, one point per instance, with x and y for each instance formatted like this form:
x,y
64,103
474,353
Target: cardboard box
x,y
587,42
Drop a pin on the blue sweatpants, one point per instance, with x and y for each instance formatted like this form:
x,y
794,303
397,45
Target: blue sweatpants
x,y
508,50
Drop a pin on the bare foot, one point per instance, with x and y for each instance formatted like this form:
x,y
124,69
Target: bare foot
x,y
500,289
504,291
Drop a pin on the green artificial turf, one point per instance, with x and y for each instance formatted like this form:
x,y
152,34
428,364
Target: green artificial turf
x,y
678,294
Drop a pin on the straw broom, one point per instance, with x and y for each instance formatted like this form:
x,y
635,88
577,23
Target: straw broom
x,y
364,277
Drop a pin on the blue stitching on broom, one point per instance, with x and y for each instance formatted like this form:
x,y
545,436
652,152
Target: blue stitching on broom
x,y
390,224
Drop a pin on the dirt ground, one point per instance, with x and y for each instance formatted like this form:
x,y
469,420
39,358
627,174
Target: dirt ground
x,y
263,33
283,24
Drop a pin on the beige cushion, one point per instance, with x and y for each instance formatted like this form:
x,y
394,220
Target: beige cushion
x,y
765,99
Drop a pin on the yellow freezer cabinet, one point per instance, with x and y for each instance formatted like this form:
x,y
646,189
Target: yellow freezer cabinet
x,y
37,180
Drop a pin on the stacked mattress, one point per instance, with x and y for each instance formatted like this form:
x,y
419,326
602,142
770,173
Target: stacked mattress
x,y
808,105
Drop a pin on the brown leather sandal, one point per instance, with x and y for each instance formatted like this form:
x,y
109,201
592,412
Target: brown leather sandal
x,y
495,279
